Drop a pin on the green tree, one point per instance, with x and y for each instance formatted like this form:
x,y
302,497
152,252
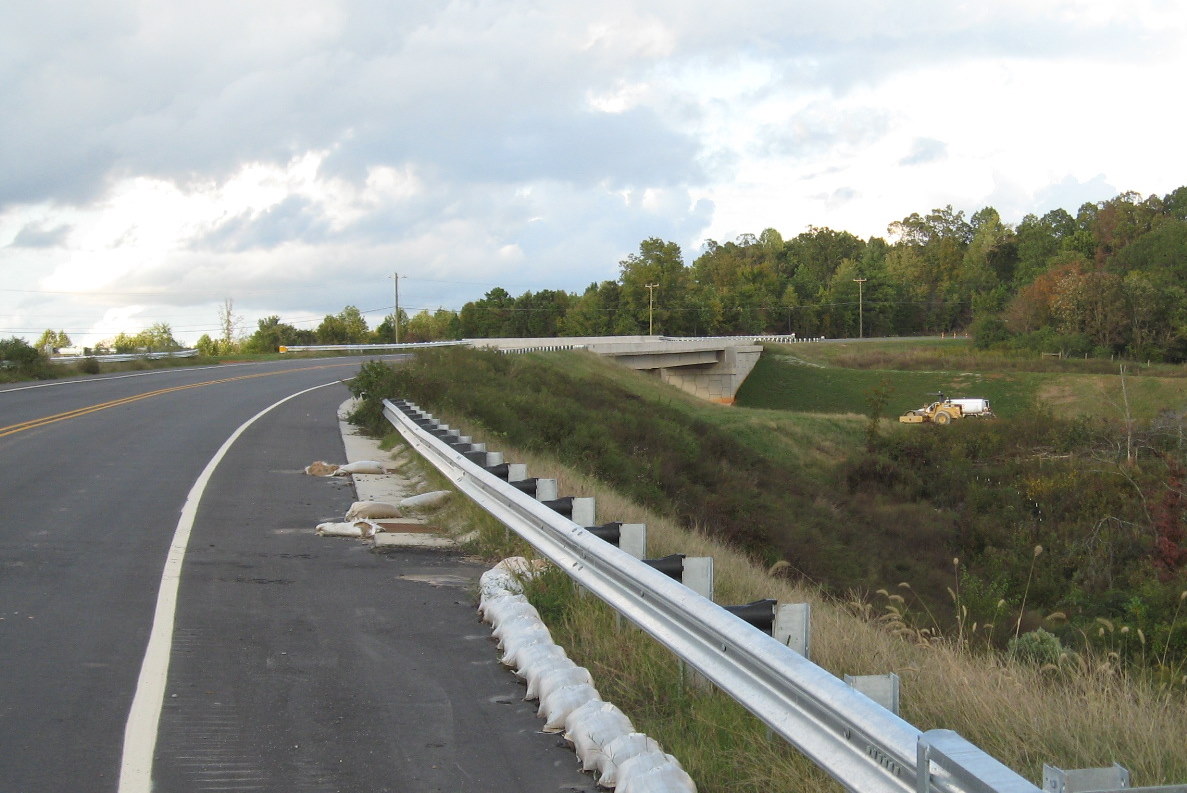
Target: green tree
x,y
206,346
271,334
156,338
51,341
18,355
489,318
659,263
594,312
346,327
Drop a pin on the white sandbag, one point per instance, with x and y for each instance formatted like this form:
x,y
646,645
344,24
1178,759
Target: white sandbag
x,y
494,582
497,608
321,468
559,678
372,510
491,604
356,528
669,778
557,706
535,667
591,728
514,643
623,748
521,567
360,467
428,500
534,659
508,608
521,622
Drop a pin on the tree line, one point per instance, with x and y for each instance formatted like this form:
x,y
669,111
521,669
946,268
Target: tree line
x,y
1109,280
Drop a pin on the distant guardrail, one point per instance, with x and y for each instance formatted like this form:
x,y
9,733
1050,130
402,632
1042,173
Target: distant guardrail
x,y
129,356
364,347
544,344
789,338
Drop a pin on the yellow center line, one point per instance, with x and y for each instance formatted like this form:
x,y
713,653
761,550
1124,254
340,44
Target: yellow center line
x,y
12,429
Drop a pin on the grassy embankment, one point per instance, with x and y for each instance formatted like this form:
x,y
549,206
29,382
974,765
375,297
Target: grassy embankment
x,y
1017,710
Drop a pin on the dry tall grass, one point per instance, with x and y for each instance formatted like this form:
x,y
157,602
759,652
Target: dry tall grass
x,y
1090,712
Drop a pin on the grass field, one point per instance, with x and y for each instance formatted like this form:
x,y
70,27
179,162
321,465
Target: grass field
x,y
838,378
1091,713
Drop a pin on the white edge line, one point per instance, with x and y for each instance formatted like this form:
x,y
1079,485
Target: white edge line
x,y
140,733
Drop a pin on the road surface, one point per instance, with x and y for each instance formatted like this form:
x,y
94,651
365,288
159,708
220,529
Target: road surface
x,y
291,662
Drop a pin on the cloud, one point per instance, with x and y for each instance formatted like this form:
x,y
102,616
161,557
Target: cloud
x,y
38,235
292,155
925,150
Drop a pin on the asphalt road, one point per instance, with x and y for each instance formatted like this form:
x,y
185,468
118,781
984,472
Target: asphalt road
x,y
295,663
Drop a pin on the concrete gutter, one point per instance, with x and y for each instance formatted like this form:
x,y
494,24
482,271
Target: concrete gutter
x,y
391,488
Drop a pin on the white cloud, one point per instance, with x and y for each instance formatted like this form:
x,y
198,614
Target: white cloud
x,y
164,155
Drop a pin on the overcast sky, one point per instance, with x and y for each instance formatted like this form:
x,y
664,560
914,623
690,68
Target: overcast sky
x,y
160,156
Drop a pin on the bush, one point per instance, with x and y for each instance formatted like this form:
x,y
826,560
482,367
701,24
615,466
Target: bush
x,y
88,365
1037,647
988,331
16,354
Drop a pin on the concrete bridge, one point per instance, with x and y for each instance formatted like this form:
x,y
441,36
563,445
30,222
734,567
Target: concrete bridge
x,y
711,368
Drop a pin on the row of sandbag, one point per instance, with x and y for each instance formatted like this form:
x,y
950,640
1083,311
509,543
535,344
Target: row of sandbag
x,y
603,737
361,520
322,468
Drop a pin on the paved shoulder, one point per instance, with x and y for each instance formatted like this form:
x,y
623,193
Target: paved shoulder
x,y
306,663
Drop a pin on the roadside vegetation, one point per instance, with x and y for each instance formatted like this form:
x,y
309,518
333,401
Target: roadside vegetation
x,y
1024,576
1029,703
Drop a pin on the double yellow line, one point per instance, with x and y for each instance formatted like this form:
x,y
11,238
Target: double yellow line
x,y
12,429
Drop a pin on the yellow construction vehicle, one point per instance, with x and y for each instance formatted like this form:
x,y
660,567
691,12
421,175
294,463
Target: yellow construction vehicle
x,y
945,411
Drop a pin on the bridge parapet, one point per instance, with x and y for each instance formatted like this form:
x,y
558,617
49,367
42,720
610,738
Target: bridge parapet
x,y
710,368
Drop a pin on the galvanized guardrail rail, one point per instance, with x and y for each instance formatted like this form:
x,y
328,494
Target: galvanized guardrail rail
x,y
128,356
858,742
415,345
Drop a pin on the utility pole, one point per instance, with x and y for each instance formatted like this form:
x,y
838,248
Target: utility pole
x,y
650,305
860,313
396,313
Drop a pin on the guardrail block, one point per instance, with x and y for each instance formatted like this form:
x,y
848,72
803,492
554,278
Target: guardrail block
x,y
698,575
793,627
629,537
632,538
539,489
1074,780
883,689
759,613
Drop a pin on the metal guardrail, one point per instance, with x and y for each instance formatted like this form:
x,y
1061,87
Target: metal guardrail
x,y
541,348
361,347
789,338
130,356
859,743
545,345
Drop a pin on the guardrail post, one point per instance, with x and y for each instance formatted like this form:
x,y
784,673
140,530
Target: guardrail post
x,y
632,538
793,626
579,510
539,489
508,472
698,575
1078,780
883,689
629,537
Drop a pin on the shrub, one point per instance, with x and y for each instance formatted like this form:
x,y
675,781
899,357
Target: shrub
x,y
1037,647
18,355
